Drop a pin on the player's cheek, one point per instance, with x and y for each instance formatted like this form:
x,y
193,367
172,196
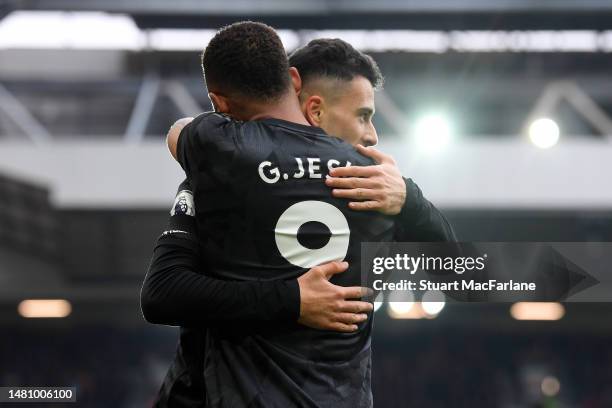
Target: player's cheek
x,y
355,130
364,131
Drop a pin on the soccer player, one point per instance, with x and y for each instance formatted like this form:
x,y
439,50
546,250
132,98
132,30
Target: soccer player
x,y
333,71
272,217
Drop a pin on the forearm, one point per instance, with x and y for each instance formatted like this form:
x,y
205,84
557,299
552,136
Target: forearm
x,y
174,133
173,292
420,221
177,291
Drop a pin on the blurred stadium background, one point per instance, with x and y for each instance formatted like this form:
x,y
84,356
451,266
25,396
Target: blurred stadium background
x,y
501,110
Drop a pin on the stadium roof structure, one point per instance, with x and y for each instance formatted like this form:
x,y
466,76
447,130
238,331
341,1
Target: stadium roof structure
x,y
382,14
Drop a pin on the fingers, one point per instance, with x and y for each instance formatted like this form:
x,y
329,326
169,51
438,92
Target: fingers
x,y
365,205
355,171
332,268
369,152
356,193
377,155
351,318
356,292
352,182
356,306
342,327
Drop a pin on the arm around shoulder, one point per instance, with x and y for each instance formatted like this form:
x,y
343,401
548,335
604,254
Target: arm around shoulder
x,y
174,133
420,221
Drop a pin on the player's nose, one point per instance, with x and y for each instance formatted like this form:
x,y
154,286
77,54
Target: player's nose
x,y
371,137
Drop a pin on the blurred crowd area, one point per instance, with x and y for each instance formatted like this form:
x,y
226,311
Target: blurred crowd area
x,y
481,369
123,368
109,367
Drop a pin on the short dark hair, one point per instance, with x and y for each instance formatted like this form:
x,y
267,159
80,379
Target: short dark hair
x,y
247,59
334,58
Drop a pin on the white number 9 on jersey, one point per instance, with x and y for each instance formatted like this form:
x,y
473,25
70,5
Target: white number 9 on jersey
x,y
289,223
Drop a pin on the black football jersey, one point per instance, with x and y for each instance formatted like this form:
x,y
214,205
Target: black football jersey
x,y
266,213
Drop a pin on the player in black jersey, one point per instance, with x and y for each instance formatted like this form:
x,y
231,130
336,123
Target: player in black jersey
x,y
437,229
265,175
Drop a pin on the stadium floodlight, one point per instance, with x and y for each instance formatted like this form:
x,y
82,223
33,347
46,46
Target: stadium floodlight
x,y
544,133
415,312
537,311
432,132
550,386
44,308
433,302
401,307
400,304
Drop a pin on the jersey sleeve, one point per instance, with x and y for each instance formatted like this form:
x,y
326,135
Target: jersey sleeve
x,y
200,139
181,147
420,221
176,291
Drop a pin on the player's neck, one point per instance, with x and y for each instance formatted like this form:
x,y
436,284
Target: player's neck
x,y
286,108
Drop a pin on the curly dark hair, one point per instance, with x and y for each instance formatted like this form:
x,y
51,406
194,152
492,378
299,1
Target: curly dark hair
x,y
247,59
334,58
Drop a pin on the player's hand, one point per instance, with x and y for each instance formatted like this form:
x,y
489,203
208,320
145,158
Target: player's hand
x,y
378,188
324,305
174,133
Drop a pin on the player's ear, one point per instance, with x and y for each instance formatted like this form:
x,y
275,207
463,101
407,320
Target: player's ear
x,y
314,108
296,80
219,102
